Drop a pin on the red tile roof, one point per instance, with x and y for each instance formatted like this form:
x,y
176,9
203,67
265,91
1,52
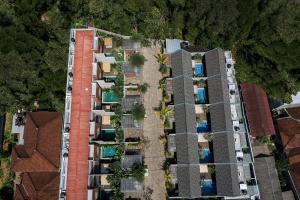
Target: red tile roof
x,y
289,128
257,110
38,159
38,185
77,179
42,140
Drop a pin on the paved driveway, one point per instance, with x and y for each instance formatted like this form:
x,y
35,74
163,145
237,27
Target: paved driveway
x,y
153,128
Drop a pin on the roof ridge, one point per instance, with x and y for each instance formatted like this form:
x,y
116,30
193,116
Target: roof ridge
x,y
42,188
44,157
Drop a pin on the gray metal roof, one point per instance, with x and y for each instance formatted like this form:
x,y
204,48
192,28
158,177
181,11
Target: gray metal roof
x,y
181,62
172,45
227,180
217,89
189,181
129,160
215,62
128,122
130,184
267,178
224,150
187,148
220,115
129,101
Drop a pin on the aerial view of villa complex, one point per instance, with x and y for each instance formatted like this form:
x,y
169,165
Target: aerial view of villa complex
x,y
149,100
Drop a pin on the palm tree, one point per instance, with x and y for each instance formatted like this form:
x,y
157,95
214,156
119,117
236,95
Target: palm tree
x,y
161,58
164,113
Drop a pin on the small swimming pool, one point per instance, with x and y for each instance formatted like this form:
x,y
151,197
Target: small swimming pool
x,y
208,187
199,69
206,157
108,135
202,127
109,97
108,151
201,95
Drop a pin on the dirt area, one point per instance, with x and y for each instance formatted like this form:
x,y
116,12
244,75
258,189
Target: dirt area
x,y
153,128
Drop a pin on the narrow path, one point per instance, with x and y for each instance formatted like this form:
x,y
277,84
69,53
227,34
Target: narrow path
x,y
153,128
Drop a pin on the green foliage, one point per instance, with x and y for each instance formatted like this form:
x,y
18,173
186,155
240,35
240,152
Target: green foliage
x,y
137,60
264,36
138,112
144,87
163,69
138,171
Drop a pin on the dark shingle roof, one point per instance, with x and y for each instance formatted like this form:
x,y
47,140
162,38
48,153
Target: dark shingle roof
x,y
129,160
215,62
187,148
188,181
267,178
181,63
183,90
224,150
220,117
128,122
130,184
185,118
227,180
217,89
129,101
186,138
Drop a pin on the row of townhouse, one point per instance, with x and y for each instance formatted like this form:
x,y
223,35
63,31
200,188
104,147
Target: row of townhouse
x,y
209,142
93,136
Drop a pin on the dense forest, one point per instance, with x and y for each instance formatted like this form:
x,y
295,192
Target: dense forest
x,y
263,34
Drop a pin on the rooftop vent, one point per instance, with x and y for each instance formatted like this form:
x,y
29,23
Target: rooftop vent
x,y
232,92
72,39
228,65
67,129
70,88
70,74
236,128
65,155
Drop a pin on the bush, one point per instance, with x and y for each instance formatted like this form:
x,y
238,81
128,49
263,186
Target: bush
x,y
143,88
138,112
137,60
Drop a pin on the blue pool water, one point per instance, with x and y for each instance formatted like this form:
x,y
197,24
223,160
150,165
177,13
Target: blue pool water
x,y
108,151
201,95
207,156
108,135
202,127
199,69
209,188
109,97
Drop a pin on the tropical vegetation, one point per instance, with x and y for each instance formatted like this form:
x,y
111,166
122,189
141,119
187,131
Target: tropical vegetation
x,y
263,35
137,60
138,112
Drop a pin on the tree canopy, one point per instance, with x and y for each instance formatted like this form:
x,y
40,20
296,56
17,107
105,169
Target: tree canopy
x,y
263,35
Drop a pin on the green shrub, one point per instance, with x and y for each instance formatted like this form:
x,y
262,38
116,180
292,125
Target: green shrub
x,y
138,112
137,60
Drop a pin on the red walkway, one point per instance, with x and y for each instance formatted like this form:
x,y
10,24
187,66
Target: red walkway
x,y
77,179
